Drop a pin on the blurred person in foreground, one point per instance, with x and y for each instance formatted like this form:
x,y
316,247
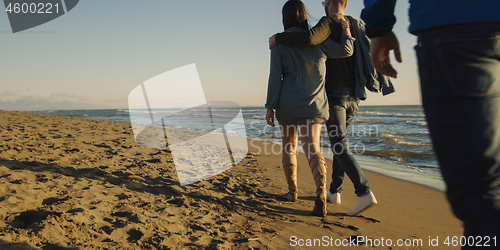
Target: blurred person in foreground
x,y
458,53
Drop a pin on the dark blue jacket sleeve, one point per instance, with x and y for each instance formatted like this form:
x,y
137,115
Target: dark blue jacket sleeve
x,y
379,14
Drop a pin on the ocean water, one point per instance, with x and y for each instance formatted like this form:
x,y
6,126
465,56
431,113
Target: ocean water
x,y
392,140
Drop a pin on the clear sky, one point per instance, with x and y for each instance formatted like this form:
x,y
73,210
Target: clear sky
x,y
94,55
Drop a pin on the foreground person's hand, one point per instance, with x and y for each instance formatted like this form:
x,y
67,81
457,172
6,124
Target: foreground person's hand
x,y
380,48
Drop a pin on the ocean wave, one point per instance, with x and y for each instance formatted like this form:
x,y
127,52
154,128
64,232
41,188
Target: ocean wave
x,y
424,166
253,110
223,116
403,108
389,114
258,117
395,139
423,123
140,111
197,115
362,121
224,109
398,154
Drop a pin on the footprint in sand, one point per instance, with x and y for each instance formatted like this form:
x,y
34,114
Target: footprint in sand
x,y
54,200
134,235
31,217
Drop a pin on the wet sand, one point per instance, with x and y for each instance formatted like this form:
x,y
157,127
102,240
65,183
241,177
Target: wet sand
x,y
71,183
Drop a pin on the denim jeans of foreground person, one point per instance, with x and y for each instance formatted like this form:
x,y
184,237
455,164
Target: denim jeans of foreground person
x,y
342,111
459,68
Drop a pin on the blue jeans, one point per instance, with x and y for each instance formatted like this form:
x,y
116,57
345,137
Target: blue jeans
x,y
342,111
459,67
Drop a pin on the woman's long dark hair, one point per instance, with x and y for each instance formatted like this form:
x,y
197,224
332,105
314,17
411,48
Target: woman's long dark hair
x,y
294,14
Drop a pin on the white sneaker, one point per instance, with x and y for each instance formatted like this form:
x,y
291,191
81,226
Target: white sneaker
x,y
333,198
362,204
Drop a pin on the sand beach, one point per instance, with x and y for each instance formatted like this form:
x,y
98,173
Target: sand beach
x,y
73,183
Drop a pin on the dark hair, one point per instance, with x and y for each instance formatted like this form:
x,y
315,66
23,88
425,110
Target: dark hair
x,y
294,14
341,2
